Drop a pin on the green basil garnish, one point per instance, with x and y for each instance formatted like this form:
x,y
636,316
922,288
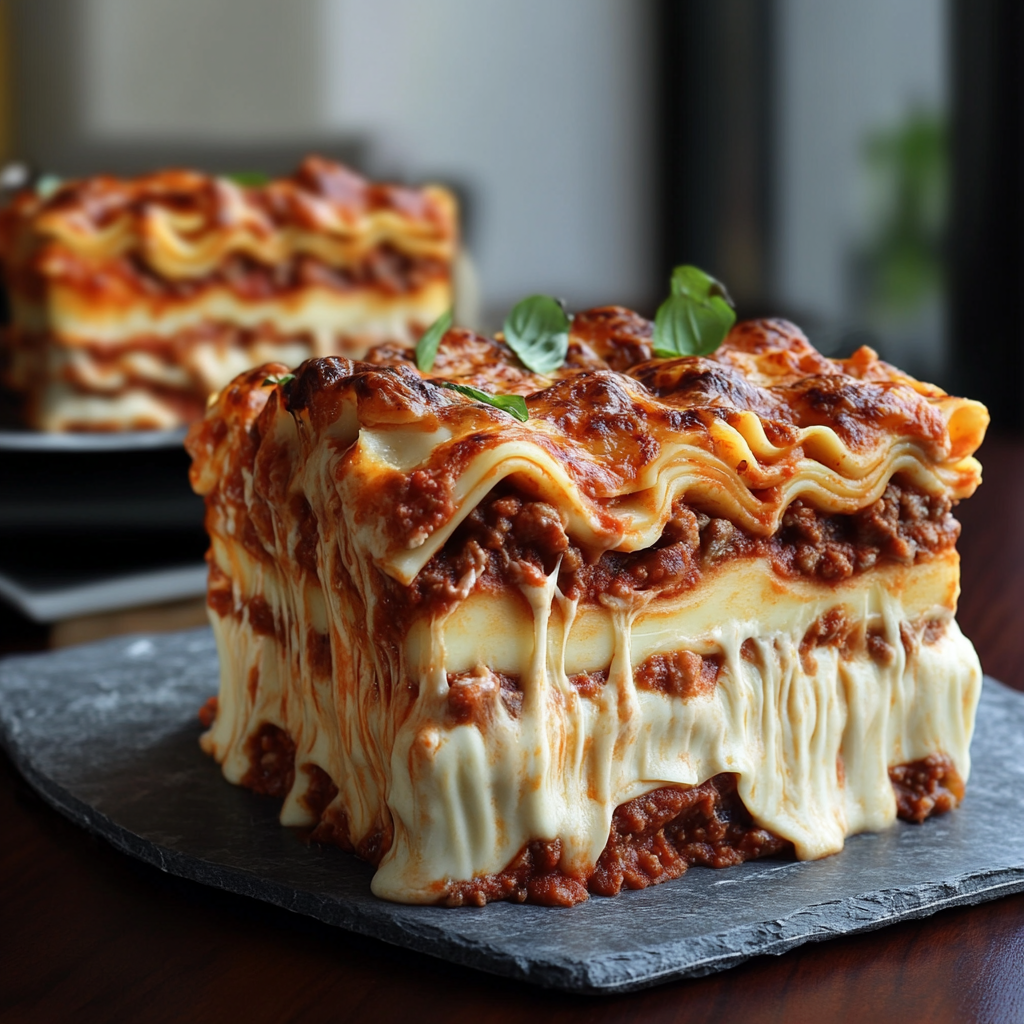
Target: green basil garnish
x,y
283,379
695,318
514,405
426,347
537,330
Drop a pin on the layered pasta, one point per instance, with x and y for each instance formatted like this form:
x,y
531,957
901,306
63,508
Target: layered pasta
x,y
691,612
133,300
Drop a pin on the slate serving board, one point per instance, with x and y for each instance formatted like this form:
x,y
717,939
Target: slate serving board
x,y
107,734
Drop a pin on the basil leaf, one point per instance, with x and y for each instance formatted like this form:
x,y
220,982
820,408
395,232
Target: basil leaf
x,y
282,380
514,405
426,347
537,330
249,179
692,281
695,318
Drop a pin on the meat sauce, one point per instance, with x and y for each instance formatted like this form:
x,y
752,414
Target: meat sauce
x,y
929,786
653,838
383,269
515,540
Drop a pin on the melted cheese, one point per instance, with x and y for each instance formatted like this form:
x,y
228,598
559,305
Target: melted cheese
x,y
465,799
59,407
367,315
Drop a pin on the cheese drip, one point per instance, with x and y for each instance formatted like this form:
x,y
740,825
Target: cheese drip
x,y
810,738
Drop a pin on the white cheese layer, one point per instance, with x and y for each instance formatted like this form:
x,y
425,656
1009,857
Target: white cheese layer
x,y
810,735
60,407
78,318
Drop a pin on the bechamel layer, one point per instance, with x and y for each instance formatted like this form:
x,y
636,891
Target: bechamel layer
x,y
58,407
464,799
74,319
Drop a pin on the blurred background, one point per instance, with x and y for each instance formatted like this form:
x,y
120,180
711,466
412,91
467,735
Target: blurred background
x,y
855,167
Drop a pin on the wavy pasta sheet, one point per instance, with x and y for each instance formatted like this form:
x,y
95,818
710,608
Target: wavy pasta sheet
x,y
458,710
182,224
611,454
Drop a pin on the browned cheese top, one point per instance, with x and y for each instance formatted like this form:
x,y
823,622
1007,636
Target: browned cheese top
x,y
616,438
180,225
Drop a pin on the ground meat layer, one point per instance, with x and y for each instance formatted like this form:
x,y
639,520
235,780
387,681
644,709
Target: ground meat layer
x,y
926,787
271,762
385,268
654,837
510,538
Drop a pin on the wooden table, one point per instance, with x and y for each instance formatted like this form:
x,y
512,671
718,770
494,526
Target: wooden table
x,y
87,933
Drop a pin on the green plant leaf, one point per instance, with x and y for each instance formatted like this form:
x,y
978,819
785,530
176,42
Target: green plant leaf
x,y
537,330
249,179
695,318
47,184
426,347
514,405
692,281
282,380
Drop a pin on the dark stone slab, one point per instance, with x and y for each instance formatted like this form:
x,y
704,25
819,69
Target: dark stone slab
x,y
107,733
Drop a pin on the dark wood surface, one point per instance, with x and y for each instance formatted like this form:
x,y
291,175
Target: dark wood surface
x,y
88,934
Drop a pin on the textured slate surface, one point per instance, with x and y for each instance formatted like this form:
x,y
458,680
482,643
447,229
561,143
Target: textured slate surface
x,y
107,734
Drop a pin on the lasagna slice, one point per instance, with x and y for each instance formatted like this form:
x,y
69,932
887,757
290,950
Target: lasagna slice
x,y
133,300
693,611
